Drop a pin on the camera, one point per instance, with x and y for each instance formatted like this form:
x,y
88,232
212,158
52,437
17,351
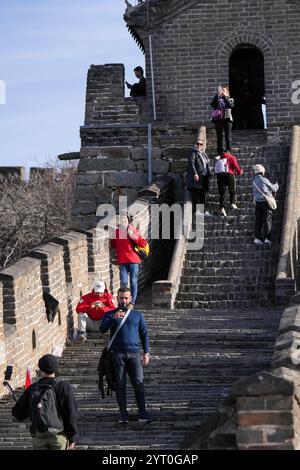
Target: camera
x,y
122,307
7,376
8,373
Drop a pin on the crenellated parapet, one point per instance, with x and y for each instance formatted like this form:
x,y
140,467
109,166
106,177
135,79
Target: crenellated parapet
x,y
66,268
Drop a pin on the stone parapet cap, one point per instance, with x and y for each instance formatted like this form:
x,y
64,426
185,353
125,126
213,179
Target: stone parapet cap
x,y
44,251
281,381
71,239
19,269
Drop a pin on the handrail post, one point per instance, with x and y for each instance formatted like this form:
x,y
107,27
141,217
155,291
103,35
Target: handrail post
x,y
149,153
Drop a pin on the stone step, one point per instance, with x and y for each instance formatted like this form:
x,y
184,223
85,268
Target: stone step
x,y
195,357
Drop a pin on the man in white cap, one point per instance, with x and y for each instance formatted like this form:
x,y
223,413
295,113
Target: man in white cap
x,y
263,213
91,308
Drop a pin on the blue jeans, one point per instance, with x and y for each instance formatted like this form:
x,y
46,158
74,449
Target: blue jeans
x,y
133,270
131,364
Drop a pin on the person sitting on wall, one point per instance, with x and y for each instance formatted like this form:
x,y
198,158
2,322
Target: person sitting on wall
x,y
138,89
91,309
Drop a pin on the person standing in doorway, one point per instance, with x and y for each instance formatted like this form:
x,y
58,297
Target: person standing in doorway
x,y
222,117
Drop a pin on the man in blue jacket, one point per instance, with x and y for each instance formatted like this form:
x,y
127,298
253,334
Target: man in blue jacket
x,y
125,353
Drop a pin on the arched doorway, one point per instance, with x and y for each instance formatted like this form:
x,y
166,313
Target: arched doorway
x,y
247,87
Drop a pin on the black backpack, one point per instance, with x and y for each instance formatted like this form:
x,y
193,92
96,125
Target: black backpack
x,y
43,410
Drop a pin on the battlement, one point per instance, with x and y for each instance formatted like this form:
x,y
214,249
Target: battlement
x,y
66,268
105,97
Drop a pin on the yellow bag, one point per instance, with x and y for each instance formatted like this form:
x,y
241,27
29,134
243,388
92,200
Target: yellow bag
x,y
142,251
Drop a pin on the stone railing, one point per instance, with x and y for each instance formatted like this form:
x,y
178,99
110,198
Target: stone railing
x,y
268,403
66,268
285,283
164,291
262,411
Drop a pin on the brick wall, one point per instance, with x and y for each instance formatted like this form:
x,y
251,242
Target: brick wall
x,y
105,101
268,411
66,268
105,173
192,43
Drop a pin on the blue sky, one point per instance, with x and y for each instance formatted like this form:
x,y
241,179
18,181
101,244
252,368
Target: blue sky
x,y
46,49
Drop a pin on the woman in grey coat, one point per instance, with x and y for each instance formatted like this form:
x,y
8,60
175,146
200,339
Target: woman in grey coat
x,y
198,175
263,213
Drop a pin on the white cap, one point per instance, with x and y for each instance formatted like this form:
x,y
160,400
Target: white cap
x,y
258,169
99,286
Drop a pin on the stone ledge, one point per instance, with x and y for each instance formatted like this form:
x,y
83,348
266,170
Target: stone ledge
x,y
19,269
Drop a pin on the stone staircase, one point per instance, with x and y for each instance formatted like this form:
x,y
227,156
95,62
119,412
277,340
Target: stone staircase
x,y
222,329
195,358
230,271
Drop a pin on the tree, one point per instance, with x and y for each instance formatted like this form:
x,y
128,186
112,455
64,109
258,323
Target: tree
x,y
35,211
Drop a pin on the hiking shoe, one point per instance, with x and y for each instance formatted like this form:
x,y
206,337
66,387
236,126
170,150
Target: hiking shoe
x,y
234,206
267,241
124,418
223,212
144,417
80,338
257,241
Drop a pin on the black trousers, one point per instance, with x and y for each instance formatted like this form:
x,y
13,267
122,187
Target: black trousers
x,y
226,126
199,194
263,220
225,180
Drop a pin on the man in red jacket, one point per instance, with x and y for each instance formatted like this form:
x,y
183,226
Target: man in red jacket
x,y
226,178
126,237
91,309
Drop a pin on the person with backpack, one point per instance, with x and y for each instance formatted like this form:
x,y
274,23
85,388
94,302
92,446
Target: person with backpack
x,y
125,350
124,240
51,407
262,188
226,168
91,308
198,175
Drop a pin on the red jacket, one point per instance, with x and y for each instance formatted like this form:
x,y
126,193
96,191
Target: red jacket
x,y
232,163
84,305
125,248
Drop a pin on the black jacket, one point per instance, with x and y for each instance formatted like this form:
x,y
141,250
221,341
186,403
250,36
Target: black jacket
x,y
66,403
198,165
105,369
228,102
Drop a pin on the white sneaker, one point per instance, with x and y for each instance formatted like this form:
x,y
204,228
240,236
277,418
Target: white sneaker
x,y
217,157
198,213
223,212
80,338
258,242
234,206
207,214
267,241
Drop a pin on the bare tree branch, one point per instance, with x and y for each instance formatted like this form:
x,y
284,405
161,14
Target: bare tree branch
x,y
33,212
